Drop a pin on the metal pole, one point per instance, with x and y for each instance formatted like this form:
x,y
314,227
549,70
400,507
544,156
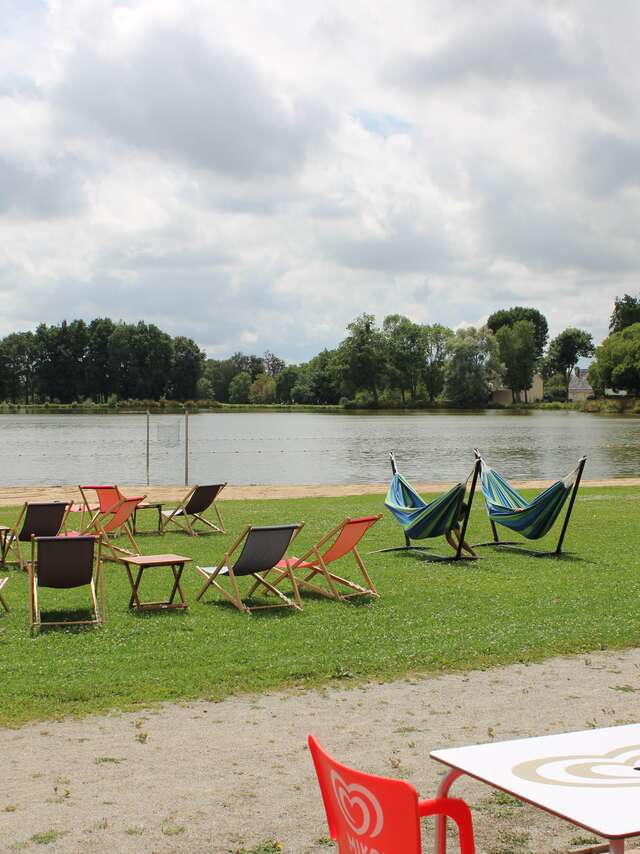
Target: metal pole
x,y
147,447
186,447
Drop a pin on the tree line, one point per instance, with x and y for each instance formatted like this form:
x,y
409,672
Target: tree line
x,y
405,363
399,362
99,361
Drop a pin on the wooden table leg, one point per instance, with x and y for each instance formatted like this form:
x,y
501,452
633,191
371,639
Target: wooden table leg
x,y
134,587
177,569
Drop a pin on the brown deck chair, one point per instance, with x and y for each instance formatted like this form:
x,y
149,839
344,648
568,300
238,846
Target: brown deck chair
x,y
343,540
262,549
193,506
63,563
109,524
36,519
3,601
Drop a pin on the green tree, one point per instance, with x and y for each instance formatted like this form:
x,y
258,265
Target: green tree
x,y
187,367
239,388
272,364
626,312
285,382
262,389
518,354
405,350
362,357
140,359
437,345
474,370
617,362
99,383
62,353
510,316
566,350
20,357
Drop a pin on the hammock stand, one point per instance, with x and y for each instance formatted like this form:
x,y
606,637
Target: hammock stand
x,y
420,504
514,545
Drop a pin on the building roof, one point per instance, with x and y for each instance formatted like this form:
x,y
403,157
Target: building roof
x,y
580,383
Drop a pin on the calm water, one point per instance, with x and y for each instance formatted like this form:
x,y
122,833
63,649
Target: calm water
x,y
282,448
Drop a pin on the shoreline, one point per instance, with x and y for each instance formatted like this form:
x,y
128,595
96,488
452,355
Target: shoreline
x,y
13,496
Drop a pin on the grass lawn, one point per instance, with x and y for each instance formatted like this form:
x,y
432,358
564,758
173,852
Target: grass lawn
x,y
431,617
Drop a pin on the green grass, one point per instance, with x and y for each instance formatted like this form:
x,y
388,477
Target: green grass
x,y
430,617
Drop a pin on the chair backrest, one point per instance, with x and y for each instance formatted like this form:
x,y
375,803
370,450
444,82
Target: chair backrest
x,y
64,562
348,537
121,513
203,497
108,496
263,548
366,813
42,519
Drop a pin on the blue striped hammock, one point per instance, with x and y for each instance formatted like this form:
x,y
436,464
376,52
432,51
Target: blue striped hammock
x,y
532,519
419,519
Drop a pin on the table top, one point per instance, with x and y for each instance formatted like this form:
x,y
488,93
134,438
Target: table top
x,y
153,560
589,778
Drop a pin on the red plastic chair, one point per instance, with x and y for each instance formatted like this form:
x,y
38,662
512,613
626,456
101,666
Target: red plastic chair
x,y
377,815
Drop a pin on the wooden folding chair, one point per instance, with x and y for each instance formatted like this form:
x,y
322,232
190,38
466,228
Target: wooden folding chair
x,y
110,524
3,601
36,519
64,563
106,498
262,549
343,540
191,508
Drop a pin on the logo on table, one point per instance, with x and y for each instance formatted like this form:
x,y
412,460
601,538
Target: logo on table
x,y
359,807
615,768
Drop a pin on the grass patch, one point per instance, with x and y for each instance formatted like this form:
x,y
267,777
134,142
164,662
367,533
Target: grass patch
x,y
504,608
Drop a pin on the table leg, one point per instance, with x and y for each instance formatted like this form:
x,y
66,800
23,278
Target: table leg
x,y
441,820
616,846
134,587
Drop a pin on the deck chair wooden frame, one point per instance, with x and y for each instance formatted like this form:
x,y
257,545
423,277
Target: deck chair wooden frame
x,y
19,533
96,580
180,515
314,563
226,567
107,497
120,514
3,601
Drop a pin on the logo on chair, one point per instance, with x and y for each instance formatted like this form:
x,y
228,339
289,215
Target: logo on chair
x,y
360,807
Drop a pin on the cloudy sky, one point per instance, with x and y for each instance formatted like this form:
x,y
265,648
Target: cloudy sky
x,y
256,174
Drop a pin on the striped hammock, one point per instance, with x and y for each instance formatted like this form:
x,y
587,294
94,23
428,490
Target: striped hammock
x,y
532,519
419,519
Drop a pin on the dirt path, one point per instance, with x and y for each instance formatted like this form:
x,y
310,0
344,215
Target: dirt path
x,y
225,777
15,495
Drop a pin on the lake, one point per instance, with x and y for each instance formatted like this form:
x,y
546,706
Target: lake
x,y
312,448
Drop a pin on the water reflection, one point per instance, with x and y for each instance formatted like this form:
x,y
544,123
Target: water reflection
x,y
313,448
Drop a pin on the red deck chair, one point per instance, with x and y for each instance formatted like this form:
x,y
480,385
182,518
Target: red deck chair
x,y
377,814
36,519
110,523
346,537
3,601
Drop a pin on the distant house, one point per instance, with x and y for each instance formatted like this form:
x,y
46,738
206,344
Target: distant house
x,y
532,395
579,388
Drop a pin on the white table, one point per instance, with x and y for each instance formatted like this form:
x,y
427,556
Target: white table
x,y
587,778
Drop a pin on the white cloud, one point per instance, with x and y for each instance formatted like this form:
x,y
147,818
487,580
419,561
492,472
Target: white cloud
x,y
256,175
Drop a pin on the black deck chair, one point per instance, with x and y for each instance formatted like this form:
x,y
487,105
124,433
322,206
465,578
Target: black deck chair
x,y
192,507
263,548
36,519
64,563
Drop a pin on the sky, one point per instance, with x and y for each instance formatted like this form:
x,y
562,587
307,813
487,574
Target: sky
x,y
255,175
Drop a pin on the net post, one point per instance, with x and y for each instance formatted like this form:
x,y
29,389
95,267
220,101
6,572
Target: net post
x,y
147,447
186,447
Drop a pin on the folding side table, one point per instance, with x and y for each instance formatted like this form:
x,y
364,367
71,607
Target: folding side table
x,y
142,562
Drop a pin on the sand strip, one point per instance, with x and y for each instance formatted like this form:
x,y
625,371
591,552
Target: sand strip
x,y
11,496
